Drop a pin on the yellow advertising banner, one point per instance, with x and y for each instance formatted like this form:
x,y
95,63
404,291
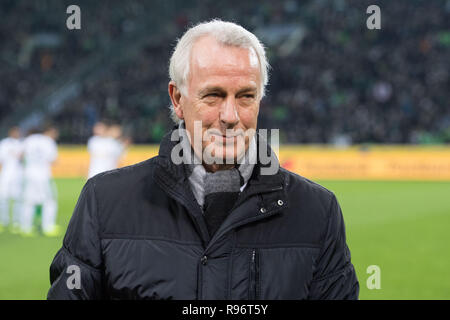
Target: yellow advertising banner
x,y
311,161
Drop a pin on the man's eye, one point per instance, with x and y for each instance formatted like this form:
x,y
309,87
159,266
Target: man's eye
x,y
212,95
248,96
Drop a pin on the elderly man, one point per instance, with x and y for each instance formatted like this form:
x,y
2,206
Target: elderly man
x,y
213,225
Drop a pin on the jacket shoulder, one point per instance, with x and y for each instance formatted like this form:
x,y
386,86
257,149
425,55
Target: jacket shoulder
x,y
124,175
306,192
295,180
123,184
120,193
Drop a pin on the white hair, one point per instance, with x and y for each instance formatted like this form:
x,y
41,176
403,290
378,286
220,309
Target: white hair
x,y
226,33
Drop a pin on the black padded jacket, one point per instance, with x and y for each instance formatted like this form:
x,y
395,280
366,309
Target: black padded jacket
x,y
138,233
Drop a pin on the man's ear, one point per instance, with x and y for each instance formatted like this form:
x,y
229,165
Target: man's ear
x,y
175,97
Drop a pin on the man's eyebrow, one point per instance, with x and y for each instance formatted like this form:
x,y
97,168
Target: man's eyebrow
x,y
211,89
247,90
217,89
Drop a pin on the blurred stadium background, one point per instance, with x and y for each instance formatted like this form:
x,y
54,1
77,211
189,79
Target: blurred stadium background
x,y
364,112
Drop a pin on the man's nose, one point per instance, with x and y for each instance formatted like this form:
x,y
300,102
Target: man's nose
x,y
228,114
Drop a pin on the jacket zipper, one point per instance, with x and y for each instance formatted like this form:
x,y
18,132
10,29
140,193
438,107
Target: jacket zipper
x,y
254,276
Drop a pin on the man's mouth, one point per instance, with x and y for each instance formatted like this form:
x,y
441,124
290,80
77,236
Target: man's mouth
x,y
220,137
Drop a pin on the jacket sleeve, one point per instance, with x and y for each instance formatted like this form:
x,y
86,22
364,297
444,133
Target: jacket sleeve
x,y
76,271
334,276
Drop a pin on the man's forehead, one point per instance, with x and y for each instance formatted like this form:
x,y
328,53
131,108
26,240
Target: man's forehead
x,y
207,53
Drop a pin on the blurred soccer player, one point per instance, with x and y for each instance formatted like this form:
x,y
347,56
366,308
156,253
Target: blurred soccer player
x,y
105,148
119,142
94,146
40,151
10,179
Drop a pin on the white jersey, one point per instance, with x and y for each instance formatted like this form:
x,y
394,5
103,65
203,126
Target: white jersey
x,y
40,151
10,154
11,173
105,154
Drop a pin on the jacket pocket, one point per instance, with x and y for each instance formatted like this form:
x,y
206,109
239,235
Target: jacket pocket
x,y
254,287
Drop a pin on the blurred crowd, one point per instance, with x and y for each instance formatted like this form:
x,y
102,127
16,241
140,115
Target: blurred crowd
x,y
332,80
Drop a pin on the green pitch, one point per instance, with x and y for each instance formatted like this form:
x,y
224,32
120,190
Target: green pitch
x,y
402,227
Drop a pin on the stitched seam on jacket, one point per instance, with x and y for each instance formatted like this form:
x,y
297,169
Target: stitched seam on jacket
x,y
80,261
250,277
322,246
333,199
259,275
230,267
119,236
96,212
280,246
348,265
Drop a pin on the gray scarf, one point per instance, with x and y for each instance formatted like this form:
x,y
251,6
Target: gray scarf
x,y
216,192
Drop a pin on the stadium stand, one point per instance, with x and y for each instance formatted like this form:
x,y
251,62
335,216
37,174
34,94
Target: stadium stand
x,y
332,79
